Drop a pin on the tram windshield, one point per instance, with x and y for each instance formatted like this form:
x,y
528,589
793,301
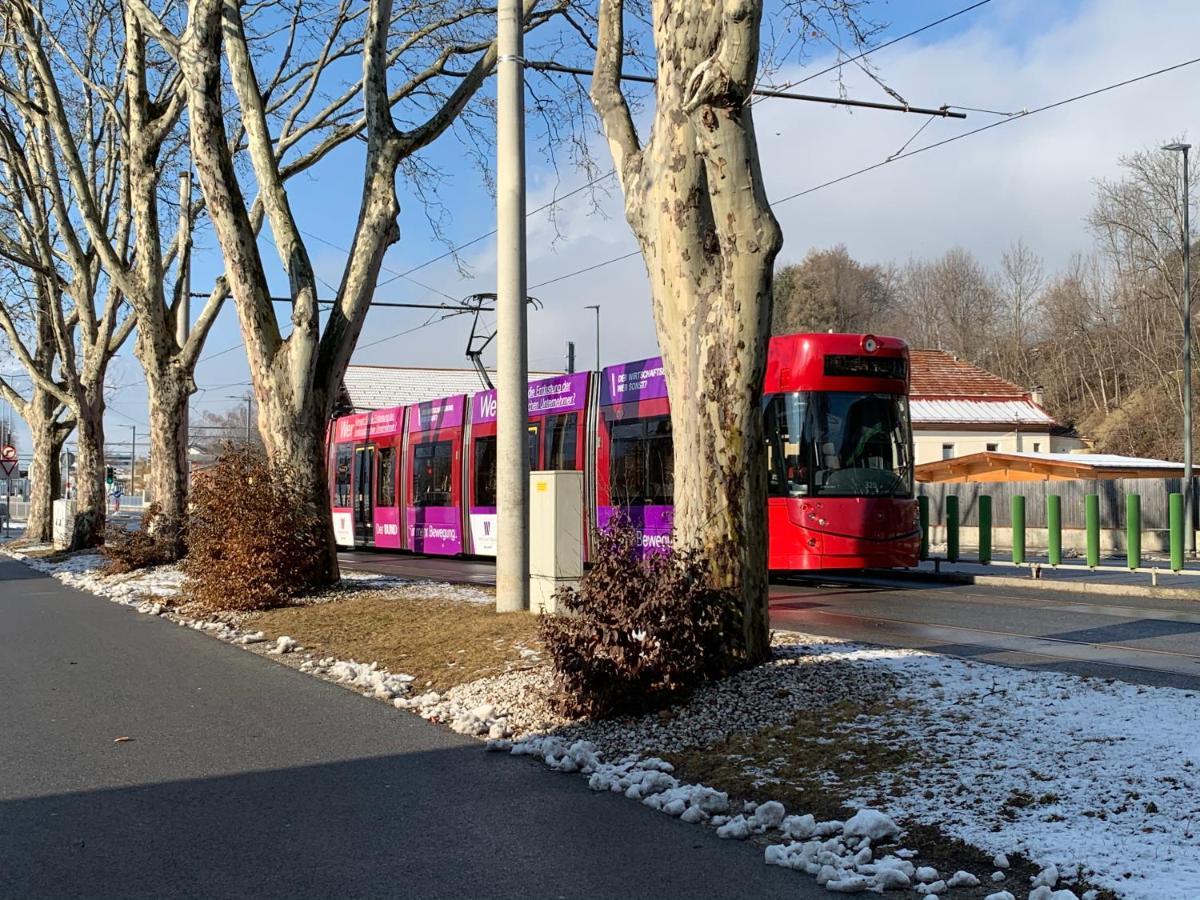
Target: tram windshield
x,y
838,444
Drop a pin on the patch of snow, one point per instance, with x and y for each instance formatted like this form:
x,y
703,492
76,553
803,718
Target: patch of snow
x,y
962,879
872,824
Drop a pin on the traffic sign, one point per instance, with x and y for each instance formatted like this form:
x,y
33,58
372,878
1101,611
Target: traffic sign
x,y
8,453
8,467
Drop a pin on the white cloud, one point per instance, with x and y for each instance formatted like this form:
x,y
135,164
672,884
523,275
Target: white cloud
x,y
1031,178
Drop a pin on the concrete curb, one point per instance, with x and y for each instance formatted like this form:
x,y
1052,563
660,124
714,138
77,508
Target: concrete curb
x,y
902,578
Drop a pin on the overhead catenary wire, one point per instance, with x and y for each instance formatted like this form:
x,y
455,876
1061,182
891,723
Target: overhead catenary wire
x,y
885,44
609,174
1024,114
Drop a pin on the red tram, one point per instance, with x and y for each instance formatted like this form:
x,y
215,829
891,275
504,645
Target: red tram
x,y
839,456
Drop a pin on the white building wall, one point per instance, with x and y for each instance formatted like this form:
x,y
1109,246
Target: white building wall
x,y
928,442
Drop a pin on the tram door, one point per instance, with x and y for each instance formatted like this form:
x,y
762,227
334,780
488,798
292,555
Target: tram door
x,y
364,495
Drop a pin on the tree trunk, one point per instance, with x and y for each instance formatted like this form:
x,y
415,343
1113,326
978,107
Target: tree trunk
x,y
695,200
45,472
91,504
294,440
168,481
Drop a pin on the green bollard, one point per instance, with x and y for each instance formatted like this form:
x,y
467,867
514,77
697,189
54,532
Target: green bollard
x,y
1133,530
923,517
1054,529
1091,516
952,529
985,529
1176,516
1018,530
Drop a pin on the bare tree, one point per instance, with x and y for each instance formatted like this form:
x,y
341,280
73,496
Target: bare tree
x,y
1019,284
42,409
68,186
296,377
694,198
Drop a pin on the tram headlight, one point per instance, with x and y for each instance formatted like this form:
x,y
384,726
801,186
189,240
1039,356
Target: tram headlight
x,y
870,343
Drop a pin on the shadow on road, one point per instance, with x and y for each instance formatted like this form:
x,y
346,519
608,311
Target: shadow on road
x,y
405,825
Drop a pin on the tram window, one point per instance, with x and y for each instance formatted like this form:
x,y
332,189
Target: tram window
x,y
641,464
386,491
485,471
559,445
431,474
342,475
788,454
861,444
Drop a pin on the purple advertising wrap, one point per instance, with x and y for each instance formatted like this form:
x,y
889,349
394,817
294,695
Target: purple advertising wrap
x,y
434,414
629,382
653,523
387,527
561,394
435,529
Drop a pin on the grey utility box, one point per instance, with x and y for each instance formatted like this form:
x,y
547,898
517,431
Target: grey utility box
x,y
555,535
64,523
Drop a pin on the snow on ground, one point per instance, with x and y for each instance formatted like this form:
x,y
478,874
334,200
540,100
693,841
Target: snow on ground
x,y
1100,779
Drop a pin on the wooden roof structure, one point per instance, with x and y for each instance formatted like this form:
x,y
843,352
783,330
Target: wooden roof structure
x,y
994,466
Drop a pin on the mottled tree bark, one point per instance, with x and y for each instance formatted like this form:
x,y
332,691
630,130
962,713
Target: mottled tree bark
x,y
47,434
695,200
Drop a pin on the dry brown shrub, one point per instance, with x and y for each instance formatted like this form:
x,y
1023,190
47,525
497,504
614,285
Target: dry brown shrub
x,y
253,541
148,546
641,631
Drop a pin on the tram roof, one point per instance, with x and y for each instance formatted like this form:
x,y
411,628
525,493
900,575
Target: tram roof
x,y
366,388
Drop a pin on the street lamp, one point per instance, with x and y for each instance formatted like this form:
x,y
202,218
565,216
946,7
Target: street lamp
x,y
596,307
1189,529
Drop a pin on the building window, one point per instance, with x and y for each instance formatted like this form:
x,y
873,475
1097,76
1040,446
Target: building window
x,y
992,448
947,451
1037,448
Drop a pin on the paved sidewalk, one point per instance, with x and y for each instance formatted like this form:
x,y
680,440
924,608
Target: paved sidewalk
x,y
245,778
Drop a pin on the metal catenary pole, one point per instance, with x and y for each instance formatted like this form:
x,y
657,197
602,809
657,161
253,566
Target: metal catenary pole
x,y
132,457
596,307
183,316
1189,495
512,364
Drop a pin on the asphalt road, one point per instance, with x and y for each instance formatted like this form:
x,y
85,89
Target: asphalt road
x,y
1142,640
245,778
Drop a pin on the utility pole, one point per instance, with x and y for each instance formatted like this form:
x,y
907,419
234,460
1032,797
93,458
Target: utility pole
x,y
570,357
596,307
512,363
1189,499
183,316
132,457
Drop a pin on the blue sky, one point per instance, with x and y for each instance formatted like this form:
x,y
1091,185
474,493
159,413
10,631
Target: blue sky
x,y
1031,178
